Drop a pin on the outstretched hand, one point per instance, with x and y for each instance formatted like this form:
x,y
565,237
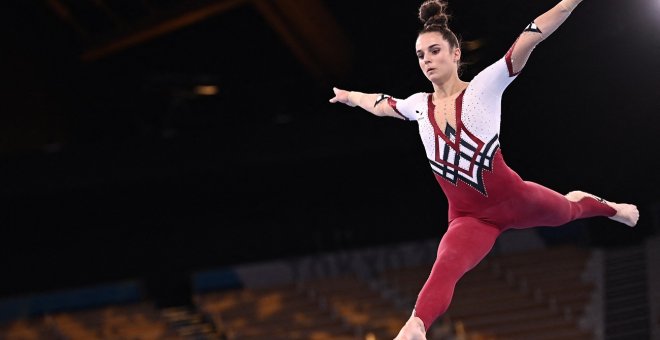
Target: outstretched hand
x,y
341,96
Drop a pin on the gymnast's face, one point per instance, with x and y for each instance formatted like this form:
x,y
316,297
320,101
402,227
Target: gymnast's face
x,y
437,59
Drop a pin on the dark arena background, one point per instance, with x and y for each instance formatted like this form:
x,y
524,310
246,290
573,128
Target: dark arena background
x,y
173,170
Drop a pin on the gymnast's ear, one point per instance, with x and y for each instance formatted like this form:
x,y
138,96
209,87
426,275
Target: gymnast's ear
x,y
457,54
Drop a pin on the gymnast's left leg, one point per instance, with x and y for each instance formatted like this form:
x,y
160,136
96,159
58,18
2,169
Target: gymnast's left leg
x,y
540,206
625,213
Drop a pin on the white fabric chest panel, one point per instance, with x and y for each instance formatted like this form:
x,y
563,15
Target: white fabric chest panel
x,y
480,116
476,120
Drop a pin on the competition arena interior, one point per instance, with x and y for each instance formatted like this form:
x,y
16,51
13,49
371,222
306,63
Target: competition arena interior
x,y
174,170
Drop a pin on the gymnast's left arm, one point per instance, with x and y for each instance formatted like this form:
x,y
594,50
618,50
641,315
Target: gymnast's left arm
x,y
542,27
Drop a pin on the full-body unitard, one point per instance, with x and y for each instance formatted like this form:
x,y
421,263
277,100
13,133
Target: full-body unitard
x,y
485,196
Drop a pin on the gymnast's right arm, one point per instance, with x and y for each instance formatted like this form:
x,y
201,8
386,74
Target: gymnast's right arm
x,y
376,103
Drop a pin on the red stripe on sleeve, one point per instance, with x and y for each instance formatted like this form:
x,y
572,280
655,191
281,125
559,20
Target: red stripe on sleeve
x,y
509,64
392,104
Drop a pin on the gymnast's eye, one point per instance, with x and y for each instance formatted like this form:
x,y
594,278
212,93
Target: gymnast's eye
x,y
420,55
435,51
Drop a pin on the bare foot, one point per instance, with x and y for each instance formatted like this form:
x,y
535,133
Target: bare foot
x,y
412,330
625,213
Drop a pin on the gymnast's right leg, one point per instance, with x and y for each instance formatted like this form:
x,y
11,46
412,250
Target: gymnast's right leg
x,y
467,241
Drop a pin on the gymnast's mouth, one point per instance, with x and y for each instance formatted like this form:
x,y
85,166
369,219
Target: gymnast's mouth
x,y
430,69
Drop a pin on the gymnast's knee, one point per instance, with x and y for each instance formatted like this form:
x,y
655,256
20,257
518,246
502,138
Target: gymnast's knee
x,y
450,264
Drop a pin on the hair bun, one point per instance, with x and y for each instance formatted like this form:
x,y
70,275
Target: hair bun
x,y
432,13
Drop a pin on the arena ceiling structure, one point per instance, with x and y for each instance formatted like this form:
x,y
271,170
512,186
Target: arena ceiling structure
x,y
143,136
106,27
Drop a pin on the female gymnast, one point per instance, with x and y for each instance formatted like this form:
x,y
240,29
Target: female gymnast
x,y
459,125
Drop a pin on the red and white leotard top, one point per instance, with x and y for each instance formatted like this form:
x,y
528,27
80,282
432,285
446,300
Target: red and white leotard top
x,y
466,160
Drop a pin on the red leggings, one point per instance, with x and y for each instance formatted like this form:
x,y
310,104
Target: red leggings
x,y
469,239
